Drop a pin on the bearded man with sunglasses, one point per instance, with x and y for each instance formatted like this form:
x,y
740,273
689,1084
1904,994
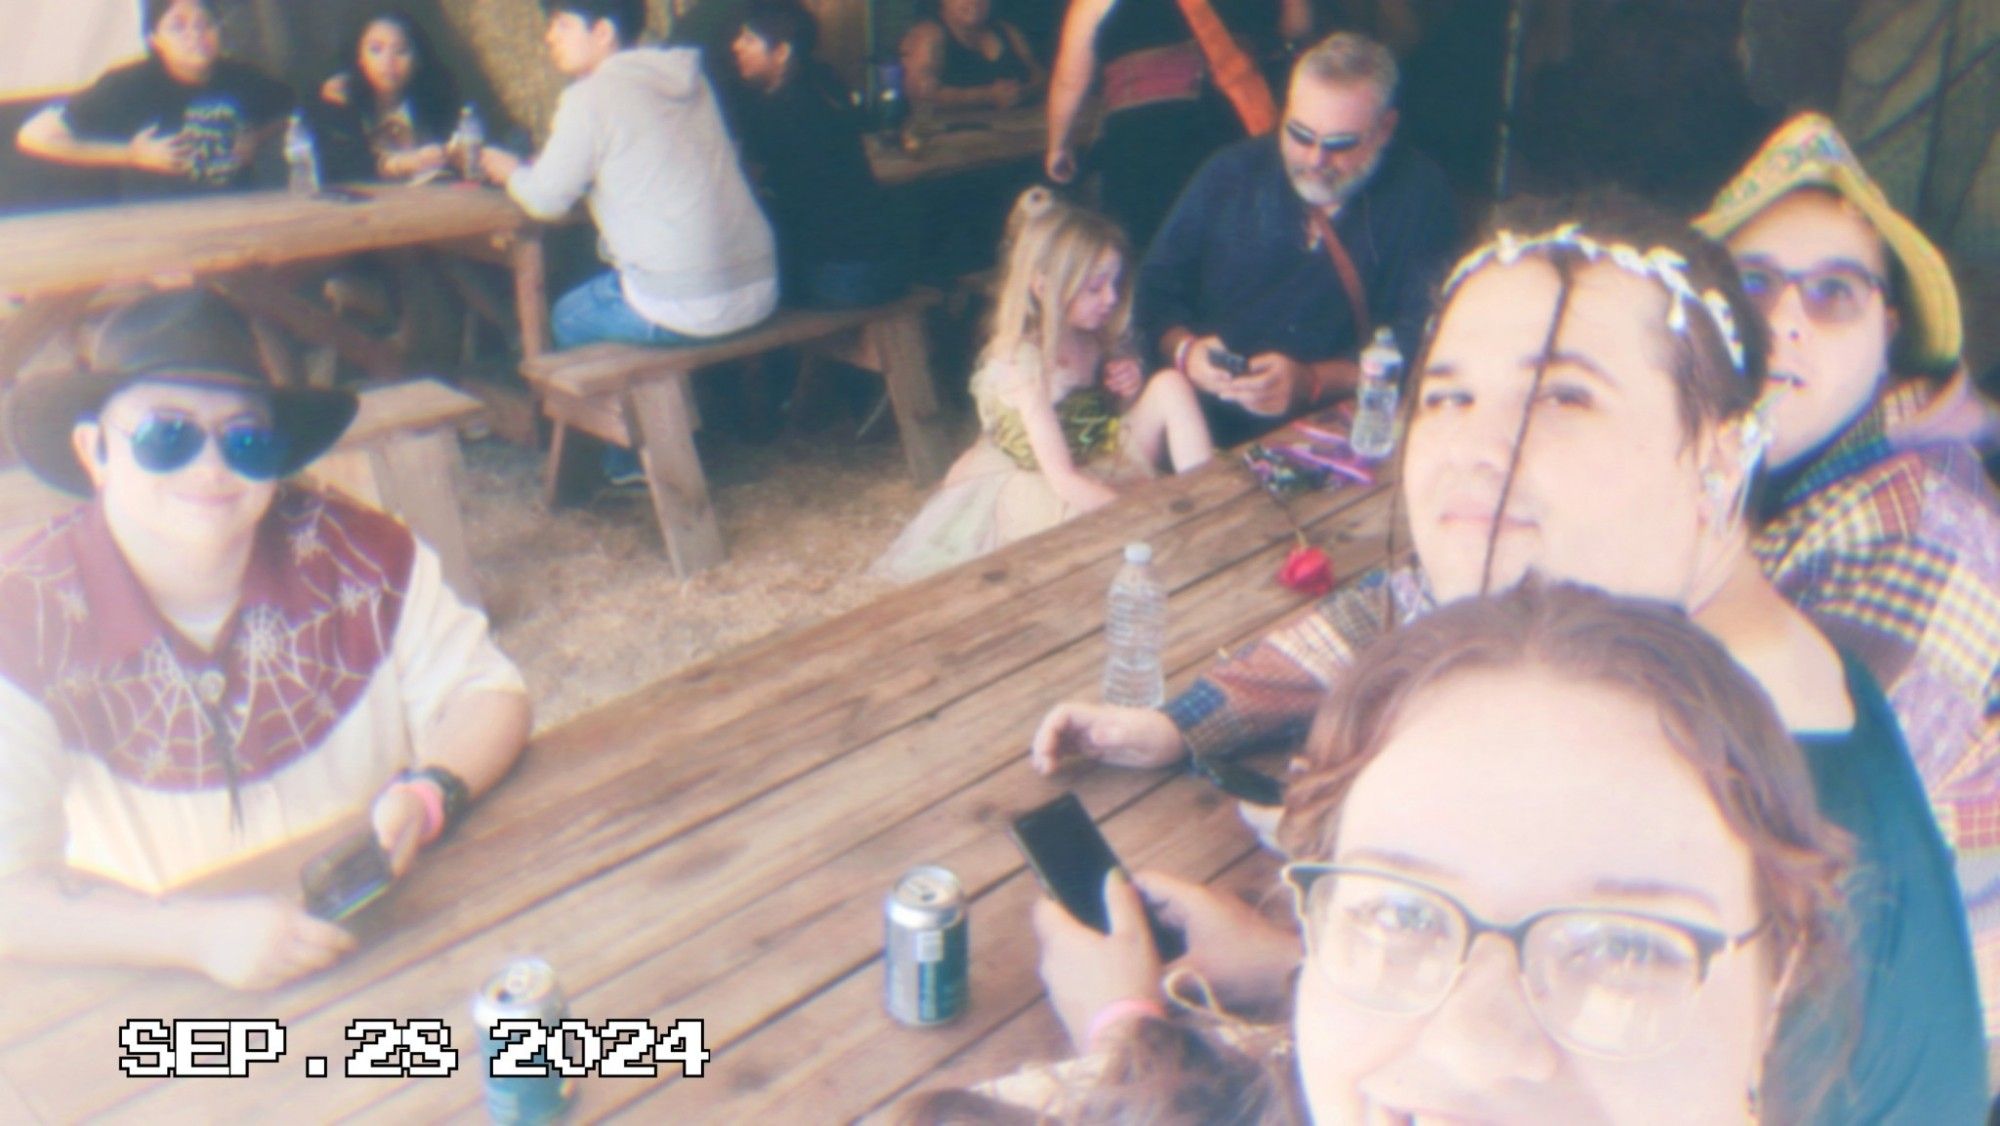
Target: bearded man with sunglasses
x,y
202,663
1289,250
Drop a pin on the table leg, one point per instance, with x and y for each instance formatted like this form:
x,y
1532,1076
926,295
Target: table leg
x,y
531,297
906,368
673,473
267,297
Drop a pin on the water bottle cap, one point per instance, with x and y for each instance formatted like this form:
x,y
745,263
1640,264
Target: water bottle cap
x,y
1138,553
1385,335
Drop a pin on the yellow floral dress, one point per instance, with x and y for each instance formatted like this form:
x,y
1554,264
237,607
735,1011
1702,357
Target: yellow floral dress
x,y
995,493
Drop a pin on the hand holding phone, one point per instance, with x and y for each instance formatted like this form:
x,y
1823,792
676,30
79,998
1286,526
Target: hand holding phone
x,y
1232,362
346,878
1071,858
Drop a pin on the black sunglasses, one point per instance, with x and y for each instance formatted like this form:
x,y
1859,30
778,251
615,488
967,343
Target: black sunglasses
x,y
163,442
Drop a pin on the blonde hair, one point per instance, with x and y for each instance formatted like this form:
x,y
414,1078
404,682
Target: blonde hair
x,y
1053,243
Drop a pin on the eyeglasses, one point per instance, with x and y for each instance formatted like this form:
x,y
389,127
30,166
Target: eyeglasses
x,y
1618,984
163,442
1834,293
1333,144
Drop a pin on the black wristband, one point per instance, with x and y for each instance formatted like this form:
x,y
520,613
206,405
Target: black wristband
x,y
457,795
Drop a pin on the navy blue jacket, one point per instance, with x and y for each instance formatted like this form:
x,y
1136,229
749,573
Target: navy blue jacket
x,y
1233,257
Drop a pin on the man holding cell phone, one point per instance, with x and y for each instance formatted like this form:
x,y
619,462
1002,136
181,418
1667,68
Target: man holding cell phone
x,y
1286,251
202,663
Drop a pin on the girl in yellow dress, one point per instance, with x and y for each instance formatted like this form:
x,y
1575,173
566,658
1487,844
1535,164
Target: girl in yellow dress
x,y
1066,417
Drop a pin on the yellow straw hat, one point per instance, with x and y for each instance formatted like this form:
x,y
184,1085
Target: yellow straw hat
x,y
1808,151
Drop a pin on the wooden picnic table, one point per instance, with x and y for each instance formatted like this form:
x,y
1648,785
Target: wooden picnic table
x,y
718,846
956,141
240,241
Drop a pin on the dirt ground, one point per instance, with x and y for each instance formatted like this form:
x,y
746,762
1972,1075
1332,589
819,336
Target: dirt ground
x,y
587,604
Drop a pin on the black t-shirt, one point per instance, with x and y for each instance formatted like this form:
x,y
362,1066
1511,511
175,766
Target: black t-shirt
x,y
235,99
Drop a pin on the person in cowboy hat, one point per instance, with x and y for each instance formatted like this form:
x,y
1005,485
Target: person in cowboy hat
x,y
1893,550
202,662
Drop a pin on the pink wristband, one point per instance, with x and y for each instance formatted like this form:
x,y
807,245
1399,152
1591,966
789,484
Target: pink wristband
x,y
1117,1013
431,795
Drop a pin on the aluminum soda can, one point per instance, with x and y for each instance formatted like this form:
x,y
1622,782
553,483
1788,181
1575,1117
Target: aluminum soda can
x,y
524,989
924,947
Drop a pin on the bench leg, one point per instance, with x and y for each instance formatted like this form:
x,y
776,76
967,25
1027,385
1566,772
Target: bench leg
x,y
419,477
415,478
568,472
906,368
673,473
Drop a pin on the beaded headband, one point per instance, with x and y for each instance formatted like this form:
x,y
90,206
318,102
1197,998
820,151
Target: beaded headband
x,y
1663,266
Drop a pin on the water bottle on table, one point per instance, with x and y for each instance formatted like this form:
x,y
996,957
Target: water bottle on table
x,y
301,159
468,140
1374,434
1135,624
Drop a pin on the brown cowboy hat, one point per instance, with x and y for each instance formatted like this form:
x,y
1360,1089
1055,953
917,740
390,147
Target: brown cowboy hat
x,y
189,338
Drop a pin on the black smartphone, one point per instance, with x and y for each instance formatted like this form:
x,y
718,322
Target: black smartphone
x,y
1071,858
345,878
1239,781
1228,361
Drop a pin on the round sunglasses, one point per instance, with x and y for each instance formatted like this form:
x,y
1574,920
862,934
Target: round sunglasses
x,y
163,442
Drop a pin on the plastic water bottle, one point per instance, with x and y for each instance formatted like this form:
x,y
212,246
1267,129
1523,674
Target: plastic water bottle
x,y
1375,414
301,159
1135,623
468,140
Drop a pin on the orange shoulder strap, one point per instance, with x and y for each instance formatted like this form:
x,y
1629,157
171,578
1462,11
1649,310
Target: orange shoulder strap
x,y
1235,74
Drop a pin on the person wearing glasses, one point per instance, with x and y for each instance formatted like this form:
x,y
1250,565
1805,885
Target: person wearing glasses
x,y
203,662
1554,859
1893,552
1590,409
1288,251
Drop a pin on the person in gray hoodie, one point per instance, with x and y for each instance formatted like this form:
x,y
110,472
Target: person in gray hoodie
x,y
638,129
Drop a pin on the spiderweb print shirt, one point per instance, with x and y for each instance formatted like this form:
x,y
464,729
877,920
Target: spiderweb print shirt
x,y
141,755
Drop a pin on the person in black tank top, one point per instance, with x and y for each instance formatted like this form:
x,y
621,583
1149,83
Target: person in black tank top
x,y
1162,117
959,57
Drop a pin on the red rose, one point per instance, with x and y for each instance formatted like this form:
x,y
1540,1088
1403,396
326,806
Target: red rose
x,y
1308,571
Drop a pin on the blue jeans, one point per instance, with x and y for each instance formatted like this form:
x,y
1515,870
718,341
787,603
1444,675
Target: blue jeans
x,y
596,311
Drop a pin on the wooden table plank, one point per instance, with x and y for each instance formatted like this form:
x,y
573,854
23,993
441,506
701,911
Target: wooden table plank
x,y
88,248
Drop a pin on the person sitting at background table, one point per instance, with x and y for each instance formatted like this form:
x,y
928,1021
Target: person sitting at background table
x,y
1592,782
801,137
1894,553
957,56
638,129
389,107
1289,250
1584,412
183,119
202,663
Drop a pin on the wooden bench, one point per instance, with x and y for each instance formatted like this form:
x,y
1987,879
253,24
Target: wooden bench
x,y
641,399
401,455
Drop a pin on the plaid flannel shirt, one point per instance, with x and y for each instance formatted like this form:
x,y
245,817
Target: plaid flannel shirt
x,y
1896,556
